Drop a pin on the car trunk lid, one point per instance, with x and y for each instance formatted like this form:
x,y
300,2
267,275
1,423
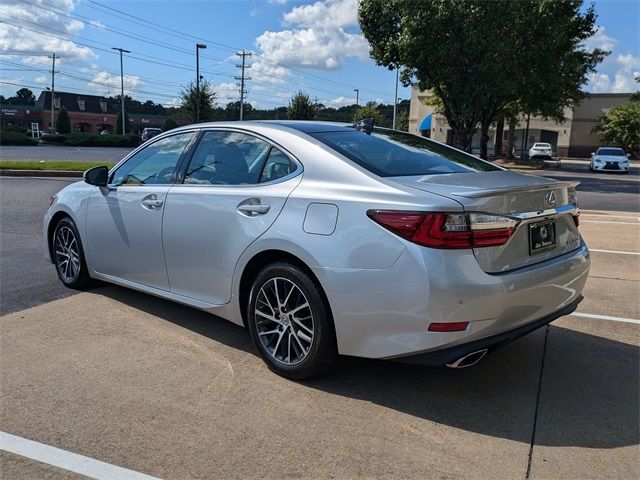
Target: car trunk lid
x,y
536,202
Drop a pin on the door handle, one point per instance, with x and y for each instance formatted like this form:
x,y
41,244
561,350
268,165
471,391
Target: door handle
x,y
151,202
252,210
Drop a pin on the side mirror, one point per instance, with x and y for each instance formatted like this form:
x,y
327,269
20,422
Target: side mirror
x,y
628,155
98,176
593,153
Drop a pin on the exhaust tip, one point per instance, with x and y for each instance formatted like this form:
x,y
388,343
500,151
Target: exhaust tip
x,y
468,360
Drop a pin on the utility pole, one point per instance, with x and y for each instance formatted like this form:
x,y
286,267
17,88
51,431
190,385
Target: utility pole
x,y
357,90
242,78
53,84
395,100
317,106
122,50
198,47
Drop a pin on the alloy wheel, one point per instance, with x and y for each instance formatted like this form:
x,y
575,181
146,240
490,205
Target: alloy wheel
x,y
67,254
284,321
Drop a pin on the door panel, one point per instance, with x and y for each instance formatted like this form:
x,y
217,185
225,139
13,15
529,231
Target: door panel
x,y
124,221
206,229
124,227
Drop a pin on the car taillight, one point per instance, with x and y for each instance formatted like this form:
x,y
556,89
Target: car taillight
x,y
447,230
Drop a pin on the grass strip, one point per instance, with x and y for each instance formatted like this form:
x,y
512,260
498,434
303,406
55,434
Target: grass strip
x,y
68,165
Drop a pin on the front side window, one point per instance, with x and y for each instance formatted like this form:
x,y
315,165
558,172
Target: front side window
x,y
388,153
227,158
155,164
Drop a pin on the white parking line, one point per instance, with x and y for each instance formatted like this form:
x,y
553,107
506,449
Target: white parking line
x,y
605,221
605,317
67,460
613,251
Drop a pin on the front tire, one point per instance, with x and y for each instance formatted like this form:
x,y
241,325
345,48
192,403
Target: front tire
x,y
290,322
68,256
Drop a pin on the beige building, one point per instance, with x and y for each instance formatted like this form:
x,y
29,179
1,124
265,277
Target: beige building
x,y
571,138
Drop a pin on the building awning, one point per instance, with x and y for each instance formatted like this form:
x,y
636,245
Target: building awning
x,y
425,124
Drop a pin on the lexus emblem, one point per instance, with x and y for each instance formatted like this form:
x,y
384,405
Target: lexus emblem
x,y
550,198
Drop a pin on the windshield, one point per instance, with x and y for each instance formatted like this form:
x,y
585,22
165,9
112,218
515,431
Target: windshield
x,y
389,153
614,152
542,145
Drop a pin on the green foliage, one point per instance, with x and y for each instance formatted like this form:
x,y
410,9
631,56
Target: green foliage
x,y
63,125
89,140
621,127
402,121
134,106
168,124
478,57
127,123
232,111
370,110
16,138
16,129
301,107
24,96
189,100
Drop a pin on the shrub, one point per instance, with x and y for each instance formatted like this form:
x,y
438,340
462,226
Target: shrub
x,y
16,129
168,124
15,138
89,140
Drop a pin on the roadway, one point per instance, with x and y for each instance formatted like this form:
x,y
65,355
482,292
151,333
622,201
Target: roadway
x,y
164,390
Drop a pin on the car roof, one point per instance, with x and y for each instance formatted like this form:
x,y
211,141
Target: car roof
x,y
305,126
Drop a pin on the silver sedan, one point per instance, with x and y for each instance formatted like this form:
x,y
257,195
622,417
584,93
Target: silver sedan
x,y
326,239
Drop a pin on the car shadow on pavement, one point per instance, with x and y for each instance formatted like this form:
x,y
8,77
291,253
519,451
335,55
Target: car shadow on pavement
x,y
589,397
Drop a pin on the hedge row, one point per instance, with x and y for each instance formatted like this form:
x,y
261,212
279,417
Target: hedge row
x,y
15,138
87,140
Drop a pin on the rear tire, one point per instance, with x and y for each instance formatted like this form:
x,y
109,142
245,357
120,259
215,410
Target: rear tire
x,y
290,322
68,256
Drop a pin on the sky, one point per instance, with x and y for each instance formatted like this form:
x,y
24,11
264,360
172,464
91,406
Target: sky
x,y
312,46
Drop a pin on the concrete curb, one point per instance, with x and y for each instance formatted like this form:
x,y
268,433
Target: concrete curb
x,y
6,172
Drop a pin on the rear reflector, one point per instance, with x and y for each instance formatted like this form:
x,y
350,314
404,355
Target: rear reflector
x,y
447,230
448,327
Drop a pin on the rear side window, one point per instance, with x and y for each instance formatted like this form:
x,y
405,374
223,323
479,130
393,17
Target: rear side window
x,y
227,158
277,166
388,153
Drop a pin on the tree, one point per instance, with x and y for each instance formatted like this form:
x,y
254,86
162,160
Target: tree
x,y
63,125
301,107
127,124
232,110
402,121
189,100
370,110
621,126
169,124
24,96
478,57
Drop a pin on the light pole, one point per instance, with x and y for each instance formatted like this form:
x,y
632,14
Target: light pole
x,y
357,90
198,47
121,50
395,102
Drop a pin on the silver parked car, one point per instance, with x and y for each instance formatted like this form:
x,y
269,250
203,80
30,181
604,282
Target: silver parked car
x,y
326,239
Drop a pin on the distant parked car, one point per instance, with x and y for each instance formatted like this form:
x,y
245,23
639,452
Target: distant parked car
x,y
610,158
148,133
541,150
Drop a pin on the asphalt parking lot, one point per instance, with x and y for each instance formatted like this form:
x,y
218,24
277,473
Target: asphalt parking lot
x,y
167,391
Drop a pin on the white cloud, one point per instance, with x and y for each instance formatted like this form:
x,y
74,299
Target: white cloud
x,y
226,93
98,24
339,102
312,47
329,14
107,84
33,38
628,62
278,2
316,37
600,40
599,83
42,80
253,12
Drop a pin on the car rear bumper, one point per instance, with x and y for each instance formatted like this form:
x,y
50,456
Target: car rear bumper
x,y
385,313
446,356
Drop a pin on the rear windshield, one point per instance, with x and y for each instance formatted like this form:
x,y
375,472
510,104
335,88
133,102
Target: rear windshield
x,y
546,145
611,151
388,153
